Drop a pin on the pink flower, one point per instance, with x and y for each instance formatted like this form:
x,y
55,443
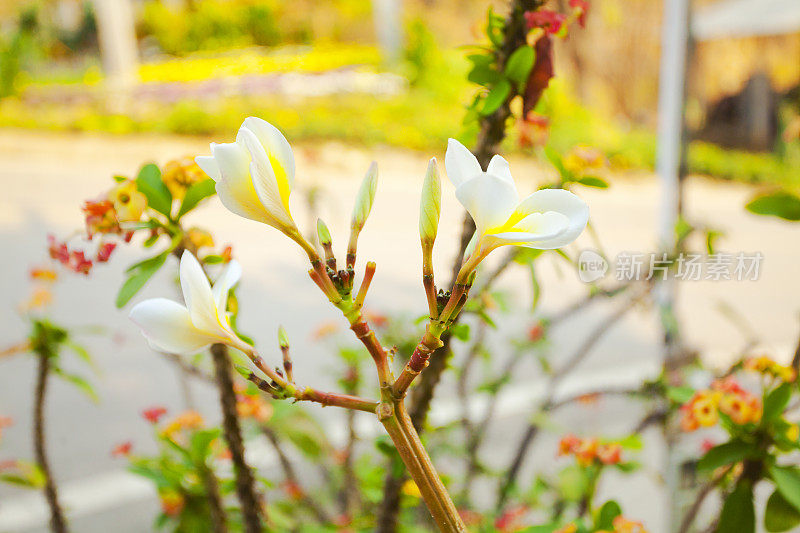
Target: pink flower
x,y
551,21
581,7
104,251
154,414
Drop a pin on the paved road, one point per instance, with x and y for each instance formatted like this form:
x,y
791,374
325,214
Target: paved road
x,y
46,177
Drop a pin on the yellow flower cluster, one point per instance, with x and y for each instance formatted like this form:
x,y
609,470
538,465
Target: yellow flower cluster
x,y
725,396
185,421
180,174
765,365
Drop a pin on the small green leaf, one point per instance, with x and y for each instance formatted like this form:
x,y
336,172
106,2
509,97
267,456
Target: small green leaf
x,y
149,183
460,331
519,64
780,515
555,159
605,517
724,454
738,515
195,194
776,401
81,383
496,97
593,181
213,259
782,204
787,479
680,395
139,275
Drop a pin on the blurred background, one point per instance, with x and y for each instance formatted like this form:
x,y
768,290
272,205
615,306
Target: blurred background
x,y
89,90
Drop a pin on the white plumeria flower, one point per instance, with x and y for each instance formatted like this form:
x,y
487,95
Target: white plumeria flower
x,y
255,174
547,219
174,328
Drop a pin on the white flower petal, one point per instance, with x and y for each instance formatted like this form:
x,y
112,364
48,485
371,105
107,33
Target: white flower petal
x,y
498,166
275,144
272,192
488,199
235,186
168,327
198,296
460,163
560,201
229,277
209,165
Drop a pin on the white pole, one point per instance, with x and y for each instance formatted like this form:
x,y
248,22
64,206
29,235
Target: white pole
x,y
669,151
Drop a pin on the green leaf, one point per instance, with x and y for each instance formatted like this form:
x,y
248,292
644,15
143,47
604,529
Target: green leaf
x,y
605,517
738,515
787,479
460,331
519,64
724,454
780,515
483,71
593,181
81,383
195,194
555,159
140,273
213,259
782,204
680,395
496,97
149,183
776,401
200,444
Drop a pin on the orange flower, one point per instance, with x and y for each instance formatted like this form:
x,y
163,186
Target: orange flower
x,y
737,408
43,274
765,365
536,332
569,444
586,452
704,408
154,414
610,454
623,525
186,420
511,520
688,422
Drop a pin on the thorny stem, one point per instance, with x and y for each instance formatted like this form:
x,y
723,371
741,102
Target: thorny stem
x,y
215,508
57,522
245,482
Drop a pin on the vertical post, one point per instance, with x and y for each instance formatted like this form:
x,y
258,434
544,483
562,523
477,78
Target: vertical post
x,y
669,165
387,16
115,28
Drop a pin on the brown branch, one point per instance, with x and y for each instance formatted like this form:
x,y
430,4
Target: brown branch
x,y
57,522
245,482
704,491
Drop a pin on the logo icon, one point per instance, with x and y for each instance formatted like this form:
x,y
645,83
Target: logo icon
x,y
591,266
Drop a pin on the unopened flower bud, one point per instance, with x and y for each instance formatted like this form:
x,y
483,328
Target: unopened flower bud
x,y
323,234
366,194
430,205
283,338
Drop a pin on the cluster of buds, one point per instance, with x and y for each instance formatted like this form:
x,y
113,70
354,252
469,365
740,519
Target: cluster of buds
x,y
76,260
590,451
766,366
180,174
252,405
725,396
